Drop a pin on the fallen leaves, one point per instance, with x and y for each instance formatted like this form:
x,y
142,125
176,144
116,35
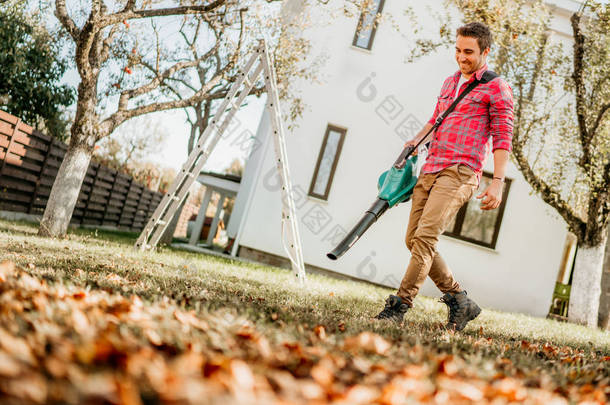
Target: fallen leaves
x,y
65,344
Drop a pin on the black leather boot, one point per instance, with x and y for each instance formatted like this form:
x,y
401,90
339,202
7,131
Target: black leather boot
x,y
395,309
461,310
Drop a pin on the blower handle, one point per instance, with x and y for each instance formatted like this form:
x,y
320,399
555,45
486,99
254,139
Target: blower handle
x,y
408,150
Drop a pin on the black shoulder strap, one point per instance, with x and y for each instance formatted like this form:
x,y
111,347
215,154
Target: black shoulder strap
x,y
487,76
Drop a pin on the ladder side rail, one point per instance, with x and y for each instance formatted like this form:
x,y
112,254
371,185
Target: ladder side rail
x,y
279,143
166,204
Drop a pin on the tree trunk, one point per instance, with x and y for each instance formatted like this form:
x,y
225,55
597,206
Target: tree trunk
x,y
586,284
604,301
64,193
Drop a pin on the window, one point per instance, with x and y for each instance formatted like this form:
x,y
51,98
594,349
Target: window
x,y
365,32
327,162
474,225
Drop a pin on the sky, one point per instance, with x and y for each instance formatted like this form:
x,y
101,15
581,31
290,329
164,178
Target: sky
x,y
174,151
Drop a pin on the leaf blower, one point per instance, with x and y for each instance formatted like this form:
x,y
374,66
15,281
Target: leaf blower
x,y
395,186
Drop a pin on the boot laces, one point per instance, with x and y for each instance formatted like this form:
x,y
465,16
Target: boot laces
x,y
456,311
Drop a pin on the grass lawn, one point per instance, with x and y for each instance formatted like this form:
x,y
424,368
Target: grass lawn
x,y
87,319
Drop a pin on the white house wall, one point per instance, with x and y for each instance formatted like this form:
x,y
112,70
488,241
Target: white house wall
x,y
519,275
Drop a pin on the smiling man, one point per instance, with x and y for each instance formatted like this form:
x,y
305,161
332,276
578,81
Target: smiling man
x,y
452,172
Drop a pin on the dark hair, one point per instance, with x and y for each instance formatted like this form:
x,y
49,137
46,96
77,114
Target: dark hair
x,y
479,31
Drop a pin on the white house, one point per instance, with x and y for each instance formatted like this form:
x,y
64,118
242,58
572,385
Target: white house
x,y
371,101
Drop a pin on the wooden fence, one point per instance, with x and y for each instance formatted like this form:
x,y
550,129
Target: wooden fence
x,y
29,161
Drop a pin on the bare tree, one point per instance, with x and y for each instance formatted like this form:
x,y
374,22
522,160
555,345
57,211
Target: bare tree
x,y
119,81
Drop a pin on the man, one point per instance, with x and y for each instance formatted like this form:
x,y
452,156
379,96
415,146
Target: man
x,y
452,172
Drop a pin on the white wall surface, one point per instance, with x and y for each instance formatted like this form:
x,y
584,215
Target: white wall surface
x,y
519,275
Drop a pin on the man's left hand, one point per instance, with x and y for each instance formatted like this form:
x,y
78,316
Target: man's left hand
x,y
493,196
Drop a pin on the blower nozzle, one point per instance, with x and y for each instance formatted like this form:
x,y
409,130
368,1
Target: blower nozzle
x,y
370,217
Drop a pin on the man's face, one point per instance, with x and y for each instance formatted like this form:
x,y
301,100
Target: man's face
x,y
468,55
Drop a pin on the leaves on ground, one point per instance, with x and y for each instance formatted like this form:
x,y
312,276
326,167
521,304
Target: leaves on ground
x,y
62,343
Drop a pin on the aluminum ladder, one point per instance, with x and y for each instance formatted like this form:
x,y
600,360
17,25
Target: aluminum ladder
x,y
178,190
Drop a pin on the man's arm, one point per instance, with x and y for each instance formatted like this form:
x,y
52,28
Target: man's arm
x,y
500,161
493,193
501,131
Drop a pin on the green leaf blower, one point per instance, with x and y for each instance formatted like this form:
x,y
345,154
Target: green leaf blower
x,y
395,186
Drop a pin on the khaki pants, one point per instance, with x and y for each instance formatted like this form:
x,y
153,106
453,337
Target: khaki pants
x,y
436,199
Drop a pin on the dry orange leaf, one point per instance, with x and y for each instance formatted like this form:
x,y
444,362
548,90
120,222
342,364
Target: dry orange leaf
x,y
320,332
368,341
8,366
322,375
510,389
448,365
153,337
242,374
361,394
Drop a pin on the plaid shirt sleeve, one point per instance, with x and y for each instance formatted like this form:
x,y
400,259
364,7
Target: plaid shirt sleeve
x,y
501,115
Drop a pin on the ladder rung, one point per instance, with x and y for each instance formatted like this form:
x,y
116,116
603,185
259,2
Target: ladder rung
x,y
161,222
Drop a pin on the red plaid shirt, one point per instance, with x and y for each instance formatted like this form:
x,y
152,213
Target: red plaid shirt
x,y
463,137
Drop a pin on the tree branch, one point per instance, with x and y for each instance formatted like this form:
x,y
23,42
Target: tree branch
x,y
160,12
538,66
105,52
598,86
154,83
598,120
61,12
581,96
123,113
547,193
183,82
131,4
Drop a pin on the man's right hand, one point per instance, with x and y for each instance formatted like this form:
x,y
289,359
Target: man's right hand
x,y
412,142
417,137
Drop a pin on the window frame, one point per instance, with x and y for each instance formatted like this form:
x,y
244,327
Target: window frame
x,y
373,29
342,131
461,216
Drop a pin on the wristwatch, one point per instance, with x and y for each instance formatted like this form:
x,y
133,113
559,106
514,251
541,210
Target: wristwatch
x,y
499,178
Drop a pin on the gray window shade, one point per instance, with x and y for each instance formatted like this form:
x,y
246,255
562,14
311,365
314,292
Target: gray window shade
x,y
327,161
365,32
